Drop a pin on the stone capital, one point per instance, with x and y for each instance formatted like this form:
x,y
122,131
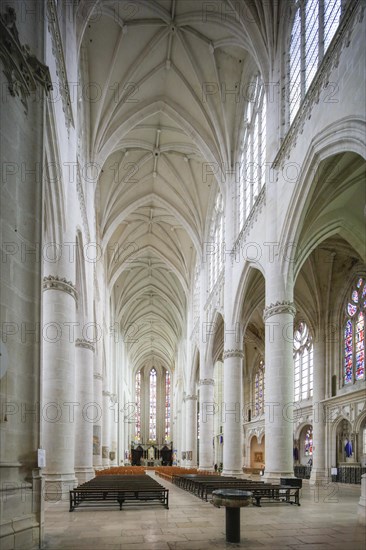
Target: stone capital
x,y
98,376
86,344
53,282
228,353
279,307
23,71
106,393
191,397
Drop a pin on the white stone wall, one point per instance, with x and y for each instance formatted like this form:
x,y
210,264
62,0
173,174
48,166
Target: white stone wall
x,y
22,134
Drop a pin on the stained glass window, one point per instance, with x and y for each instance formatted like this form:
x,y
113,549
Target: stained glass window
x,y
253,154
167,406
259,389
360,346
138,407
351,309
348,353
315,24
354,335
303,363
152,415
309,442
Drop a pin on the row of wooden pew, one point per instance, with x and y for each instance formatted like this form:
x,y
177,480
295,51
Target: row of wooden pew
x,y
168,472
202,486
122,470
121,489
163,471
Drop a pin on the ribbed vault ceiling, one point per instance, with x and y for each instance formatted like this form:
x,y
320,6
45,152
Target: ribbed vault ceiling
x,y
154,128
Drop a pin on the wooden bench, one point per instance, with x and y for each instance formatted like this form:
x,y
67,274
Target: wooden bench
x,y
166,476
202,486
205,489
276,493
171,472
121,489
189,481
259,489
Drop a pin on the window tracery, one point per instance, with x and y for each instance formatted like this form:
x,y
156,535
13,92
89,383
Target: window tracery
x,y
315,24
354,334
253,154
259,389
303,363
152,408
138,406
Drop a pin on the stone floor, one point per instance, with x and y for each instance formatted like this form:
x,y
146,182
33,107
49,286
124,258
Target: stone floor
x,y
327,518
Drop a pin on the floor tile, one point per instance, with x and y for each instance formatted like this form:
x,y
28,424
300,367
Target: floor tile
x,y
196,525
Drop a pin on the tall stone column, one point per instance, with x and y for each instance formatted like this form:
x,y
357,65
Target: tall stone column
x,y
58,426
85,411
113,405
106,428
191,430
362,502
232,406
207,406
125,433
231,410
178,423
97,425
280,309
207,411
174,439
279,389
318,471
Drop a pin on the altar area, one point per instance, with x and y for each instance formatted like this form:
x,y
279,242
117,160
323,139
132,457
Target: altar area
x,y
151,455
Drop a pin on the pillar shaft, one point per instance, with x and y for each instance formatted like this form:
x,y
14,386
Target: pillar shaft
x,y
231,412
86,411
362,502
191,430
106,428
58,386
97,425
279,389
318,471
232,406
207,411
113,429
183,431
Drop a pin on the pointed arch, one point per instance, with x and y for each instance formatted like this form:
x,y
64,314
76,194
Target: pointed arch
x,y
347,135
